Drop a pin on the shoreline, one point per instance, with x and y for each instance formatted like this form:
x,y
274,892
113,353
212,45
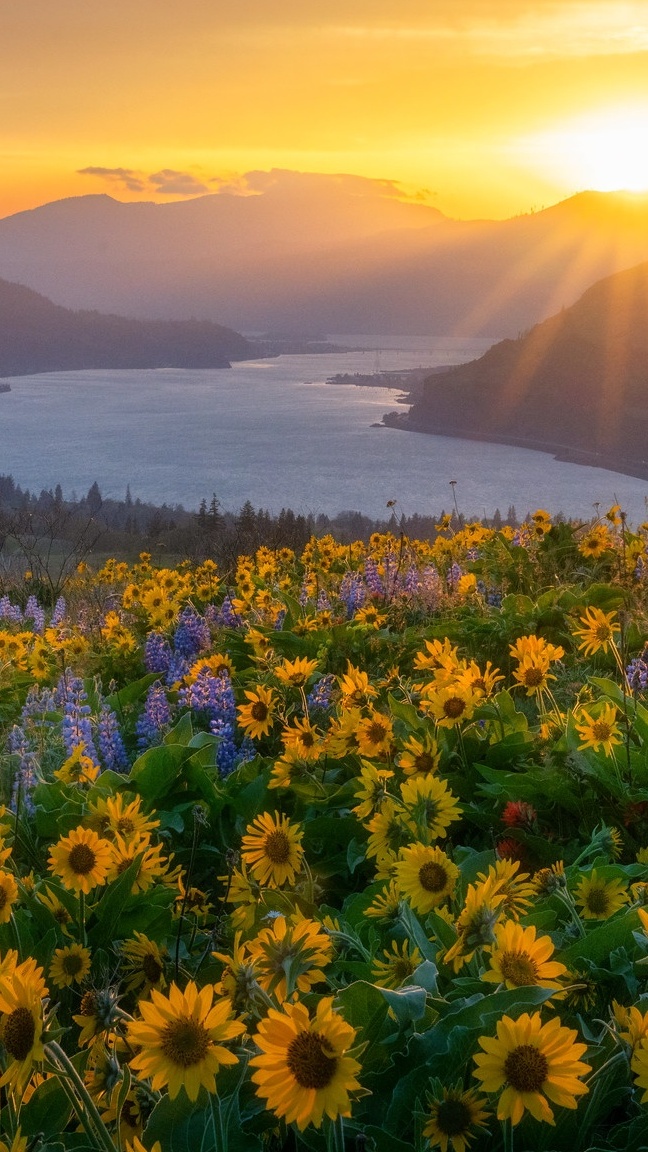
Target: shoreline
x,y
562,452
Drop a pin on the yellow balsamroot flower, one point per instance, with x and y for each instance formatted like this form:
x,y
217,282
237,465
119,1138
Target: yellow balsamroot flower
x,y
535,1063
598,631
70,965
598,898
537,648
271,847
370,617
372,790
437,654
419,757
8,895
295,673
397,965
61,914
135,1145
257,717
303,1071
475,926
144,964
81,860
600,731
78,768
218,664
454,1118
181,1037
516,888
18,1144
342,733
290,768
482,682
116,815
304,738
388,832
238,980
639,1065
21,992
633,1024
520,958
355,688
244,892
152,865
533,674
386,905
374,736
425,876
289,955
430,805
449,704
540,523
595,542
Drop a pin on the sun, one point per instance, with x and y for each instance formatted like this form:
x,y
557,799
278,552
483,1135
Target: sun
x,y
601,151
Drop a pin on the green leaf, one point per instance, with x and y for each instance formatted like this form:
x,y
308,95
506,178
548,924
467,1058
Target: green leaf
x,y
48,1109
156,771
113,900
182,1125
603,940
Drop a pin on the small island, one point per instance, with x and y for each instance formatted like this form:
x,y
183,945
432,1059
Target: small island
x,y
4,387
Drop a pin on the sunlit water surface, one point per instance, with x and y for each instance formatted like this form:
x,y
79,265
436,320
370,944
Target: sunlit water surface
x,y
273,432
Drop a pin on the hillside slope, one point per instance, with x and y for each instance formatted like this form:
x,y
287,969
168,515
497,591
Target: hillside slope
x,y
39,336
576,384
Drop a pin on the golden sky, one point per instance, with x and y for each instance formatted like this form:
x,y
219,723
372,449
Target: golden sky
x,y
492,108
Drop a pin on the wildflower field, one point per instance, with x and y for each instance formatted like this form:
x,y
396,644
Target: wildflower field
x,y
339,851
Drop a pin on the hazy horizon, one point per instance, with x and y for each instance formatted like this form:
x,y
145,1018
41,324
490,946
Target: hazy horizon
x,y
487,109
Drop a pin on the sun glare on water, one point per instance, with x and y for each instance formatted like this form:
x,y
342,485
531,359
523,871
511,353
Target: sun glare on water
x,y
603,152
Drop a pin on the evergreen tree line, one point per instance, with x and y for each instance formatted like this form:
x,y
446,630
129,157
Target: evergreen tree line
x,y
45,531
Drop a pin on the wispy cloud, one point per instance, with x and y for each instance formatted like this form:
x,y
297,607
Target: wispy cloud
x,y
122,177
167,182
555,30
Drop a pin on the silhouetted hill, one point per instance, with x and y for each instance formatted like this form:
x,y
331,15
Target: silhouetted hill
x,y
335,254
39,336
575,385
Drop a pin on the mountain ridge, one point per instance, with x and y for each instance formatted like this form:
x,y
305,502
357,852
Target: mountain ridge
x,y
37,335
575,385
312,253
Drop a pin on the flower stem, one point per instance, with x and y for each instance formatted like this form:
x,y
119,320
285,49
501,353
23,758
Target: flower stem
x,y
85,1105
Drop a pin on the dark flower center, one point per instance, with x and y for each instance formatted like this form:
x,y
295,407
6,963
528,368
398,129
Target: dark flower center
x,y
88,1006
402,969
533,677
277,847
308,1061
432,876
376,732
3,897
453,1117
425,762
526,1068
597,900
454,706
151,968
259,711
185,1042
19,1033
601,730
82,859
72,964
307,739
519,968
